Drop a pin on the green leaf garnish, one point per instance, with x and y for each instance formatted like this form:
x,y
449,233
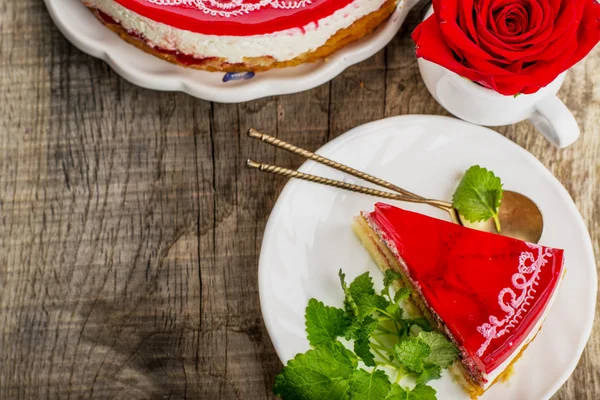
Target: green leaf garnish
x,y
396,312
369,386
401,294
390,277
442,352
381,336
362,348
422,323
422,392
419,392
412,353
397,392
478,196
364,296
429,373
323,323
362,344
349,304
321,373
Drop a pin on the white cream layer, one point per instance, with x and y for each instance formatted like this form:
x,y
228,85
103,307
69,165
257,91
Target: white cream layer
x,y
283,45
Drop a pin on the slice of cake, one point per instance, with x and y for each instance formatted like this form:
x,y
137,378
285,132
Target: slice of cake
x,y
241,35
488,293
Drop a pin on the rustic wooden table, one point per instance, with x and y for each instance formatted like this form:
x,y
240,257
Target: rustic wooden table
x,y
130,228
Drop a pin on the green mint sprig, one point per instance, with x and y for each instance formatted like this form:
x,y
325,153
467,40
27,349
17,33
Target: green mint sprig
x,y
478,196
382,336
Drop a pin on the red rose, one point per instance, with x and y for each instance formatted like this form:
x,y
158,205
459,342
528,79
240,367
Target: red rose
x,y
510,46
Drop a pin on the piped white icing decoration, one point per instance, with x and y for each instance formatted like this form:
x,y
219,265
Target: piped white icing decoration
x,y
232,8
524,283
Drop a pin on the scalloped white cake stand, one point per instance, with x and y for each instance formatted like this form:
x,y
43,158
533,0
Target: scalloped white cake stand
x,y
82,29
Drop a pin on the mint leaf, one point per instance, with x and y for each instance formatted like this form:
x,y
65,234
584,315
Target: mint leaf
x,y
362,292
369,386
402,294
323,323
429,373
419,392
395,311
362,288
390,277
397,392
322,373
442,352
478,196
361,332
421,323
362,348
411,353
349,303
422,392
380,334
361,329
363,295
380,302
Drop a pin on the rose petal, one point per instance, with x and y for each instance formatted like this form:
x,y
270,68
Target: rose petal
x,y
542,73
457,40
569,14
538,24
536,48
536,16
539,28
588,34
512,20
564,30
489,41
515,68
483,11
432,47
465,19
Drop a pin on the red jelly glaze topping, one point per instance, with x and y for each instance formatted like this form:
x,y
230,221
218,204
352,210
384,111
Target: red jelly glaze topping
x,y
462,272
267,19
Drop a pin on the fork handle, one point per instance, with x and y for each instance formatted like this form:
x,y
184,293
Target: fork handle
x,y
329,182
253,133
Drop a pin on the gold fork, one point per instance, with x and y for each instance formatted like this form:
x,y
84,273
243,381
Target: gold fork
x,y
519,216
400,193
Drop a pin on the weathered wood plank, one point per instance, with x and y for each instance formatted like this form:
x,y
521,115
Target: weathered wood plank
x,y
357,95
130,229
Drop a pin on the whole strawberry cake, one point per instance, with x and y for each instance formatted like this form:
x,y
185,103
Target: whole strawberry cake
x,y
241,35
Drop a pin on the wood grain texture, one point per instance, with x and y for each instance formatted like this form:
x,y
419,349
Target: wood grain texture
x,y
130,230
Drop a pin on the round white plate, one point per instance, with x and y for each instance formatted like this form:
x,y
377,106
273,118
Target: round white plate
x,y
83,29
309,237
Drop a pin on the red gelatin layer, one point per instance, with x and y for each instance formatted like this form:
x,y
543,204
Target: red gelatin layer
x,y
489,290
222,17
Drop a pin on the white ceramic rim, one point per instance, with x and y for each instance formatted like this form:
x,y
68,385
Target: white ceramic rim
x,y
226,93
481,91
262,282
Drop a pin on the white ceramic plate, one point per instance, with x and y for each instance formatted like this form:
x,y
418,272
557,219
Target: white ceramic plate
x,y
308,237
83,29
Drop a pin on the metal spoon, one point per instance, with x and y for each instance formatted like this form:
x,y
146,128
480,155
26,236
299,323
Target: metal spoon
x,y
520,217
